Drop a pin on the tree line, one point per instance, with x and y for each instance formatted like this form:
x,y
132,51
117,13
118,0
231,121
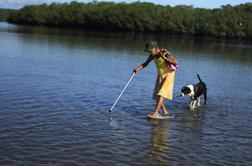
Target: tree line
x,y
225,22
4,14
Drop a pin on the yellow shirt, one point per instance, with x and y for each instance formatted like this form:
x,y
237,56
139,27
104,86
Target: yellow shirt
x,y
161,66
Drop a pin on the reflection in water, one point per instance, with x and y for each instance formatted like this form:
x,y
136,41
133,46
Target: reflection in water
x,y
189,131
229,49
163,150
193,123
159,150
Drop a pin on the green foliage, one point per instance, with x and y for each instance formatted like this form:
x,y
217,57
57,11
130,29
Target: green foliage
x,y
227,21
4,14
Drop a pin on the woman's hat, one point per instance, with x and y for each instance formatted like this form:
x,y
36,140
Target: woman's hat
x,y
150,45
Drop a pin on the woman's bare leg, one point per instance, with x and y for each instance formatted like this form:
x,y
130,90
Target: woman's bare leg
x,y
158,105
164,109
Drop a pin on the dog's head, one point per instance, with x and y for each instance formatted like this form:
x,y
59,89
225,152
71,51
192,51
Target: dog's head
x,y
186,90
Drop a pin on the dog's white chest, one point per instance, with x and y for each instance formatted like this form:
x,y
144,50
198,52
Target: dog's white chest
x,y
192,91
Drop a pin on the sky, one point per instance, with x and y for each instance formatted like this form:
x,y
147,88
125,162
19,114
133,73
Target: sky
x,y
15,4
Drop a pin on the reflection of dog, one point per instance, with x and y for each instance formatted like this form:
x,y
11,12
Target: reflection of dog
x,y
195,91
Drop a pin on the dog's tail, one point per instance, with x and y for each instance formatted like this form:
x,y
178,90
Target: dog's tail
x,y
199,78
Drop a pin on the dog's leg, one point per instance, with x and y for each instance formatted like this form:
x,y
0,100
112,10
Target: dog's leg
x,y
190,102
205,96
192,105
198,102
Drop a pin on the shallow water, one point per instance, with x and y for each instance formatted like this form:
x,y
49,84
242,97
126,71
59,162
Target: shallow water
x,y
56,87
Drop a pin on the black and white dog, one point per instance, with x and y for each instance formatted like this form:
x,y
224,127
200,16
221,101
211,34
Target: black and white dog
x,y
195,91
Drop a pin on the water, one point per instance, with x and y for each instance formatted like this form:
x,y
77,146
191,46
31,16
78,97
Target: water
x,y
56,87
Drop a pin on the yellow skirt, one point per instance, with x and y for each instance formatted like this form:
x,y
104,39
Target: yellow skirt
x,y
164,85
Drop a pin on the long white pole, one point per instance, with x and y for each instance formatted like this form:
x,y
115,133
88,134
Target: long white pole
x,y
122,92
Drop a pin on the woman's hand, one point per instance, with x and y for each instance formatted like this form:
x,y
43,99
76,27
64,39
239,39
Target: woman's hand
x,y
137,69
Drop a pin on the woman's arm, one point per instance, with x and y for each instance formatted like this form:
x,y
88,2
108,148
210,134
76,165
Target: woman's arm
x,y
168,56
172,60
137,69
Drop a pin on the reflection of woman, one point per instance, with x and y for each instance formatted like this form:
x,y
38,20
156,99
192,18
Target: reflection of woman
x,y
159,141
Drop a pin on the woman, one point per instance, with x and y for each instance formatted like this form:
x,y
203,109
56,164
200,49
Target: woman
x,y
166,65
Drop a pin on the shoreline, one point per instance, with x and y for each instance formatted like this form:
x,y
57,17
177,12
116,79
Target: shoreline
x,y
182,36
227,22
